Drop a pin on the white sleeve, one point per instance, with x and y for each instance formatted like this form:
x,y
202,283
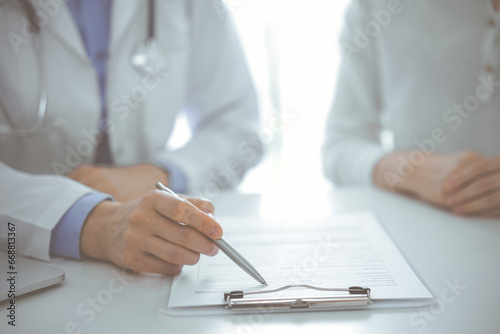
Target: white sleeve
x,y
352,144
34,204
222,108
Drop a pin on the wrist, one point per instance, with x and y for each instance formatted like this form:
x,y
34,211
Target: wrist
x,y
392,173
96,233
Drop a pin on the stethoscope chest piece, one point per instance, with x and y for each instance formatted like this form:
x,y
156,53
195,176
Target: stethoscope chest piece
x,y
149,59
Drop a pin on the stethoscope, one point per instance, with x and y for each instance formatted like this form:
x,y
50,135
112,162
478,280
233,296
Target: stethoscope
x,y
15,127
147,58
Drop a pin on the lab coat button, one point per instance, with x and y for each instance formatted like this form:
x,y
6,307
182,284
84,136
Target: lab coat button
x,y
488,69
491,22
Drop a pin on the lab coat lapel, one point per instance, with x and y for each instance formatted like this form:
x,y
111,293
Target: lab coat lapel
x,y
61,24
123,12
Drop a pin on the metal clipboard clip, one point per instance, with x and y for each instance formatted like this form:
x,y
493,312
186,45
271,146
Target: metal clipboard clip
x,y
354,296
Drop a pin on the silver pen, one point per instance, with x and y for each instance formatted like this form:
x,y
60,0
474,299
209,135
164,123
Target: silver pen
x,y
227,248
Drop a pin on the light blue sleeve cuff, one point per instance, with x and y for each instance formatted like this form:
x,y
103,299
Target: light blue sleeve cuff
x,y
65,237
177,180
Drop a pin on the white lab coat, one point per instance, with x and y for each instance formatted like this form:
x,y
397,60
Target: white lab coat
x,y
207,77
427,59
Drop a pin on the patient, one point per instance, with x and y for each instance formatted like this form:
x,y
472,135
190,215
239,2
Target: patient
x,y
428,75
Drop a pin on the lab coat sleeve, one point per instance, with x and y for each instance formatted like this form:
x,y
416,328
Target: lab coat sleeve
x,y
32,205
221,106
352,146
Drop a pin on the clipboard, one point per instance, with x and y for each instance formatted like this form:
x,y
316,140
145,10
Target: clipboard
x,y
243,302
203,289
353,296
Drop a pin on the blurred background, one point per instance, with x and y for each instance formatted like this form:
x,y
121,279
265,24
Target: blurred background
x,y
292,50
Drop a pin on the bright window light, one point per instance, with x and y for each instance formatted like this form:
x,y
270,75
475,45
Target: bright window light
x,y
292,50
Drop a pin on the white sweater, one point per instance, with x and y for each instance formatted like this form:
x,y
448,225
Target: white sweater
x,y
425,70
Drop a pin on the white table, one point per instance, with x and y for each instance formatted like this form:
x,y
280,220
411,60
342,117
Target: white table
x,y
442,249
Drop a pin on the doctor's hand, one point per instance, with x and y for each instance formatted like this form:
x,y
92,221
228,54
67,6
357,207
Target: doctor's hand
x,y
144,235
123,183
424,178
475,189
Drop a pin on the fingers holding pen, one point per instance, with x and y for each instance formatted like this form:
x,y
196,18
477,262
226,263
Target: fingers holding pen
x,y
146,262
157,233
153,243
183,211
202,204
182,235
171,252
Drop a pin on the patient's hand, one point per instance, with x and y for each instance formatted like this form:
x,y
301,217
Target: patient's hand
x,y
428,179
475,189
123,183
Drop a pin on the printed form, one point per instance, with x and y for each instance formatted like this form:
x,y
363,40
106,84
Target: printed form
x,y
336,252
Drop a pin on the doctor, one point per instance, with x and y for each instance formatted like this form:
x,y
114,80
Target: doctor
x,y
89,93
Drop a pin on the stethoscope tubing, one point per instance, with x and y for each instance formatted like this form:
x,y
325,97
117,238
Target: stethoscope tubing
x,y
43,92
15,127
